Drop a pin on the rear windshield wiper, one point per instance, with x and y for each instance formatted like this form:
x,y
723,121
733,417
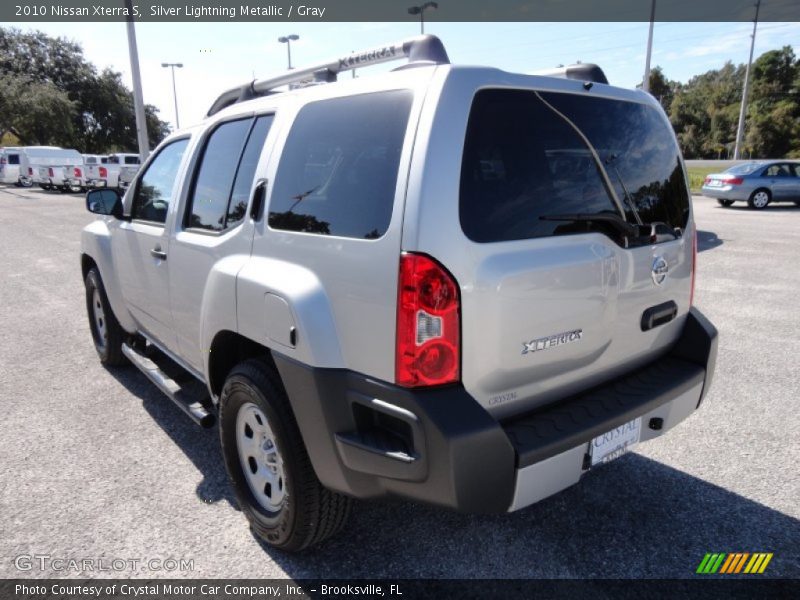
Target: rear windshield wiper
x,y
610,162
612,219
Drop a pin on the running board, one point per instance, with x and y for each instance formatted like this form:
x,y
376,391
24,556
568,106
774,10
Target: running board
x,y
186,401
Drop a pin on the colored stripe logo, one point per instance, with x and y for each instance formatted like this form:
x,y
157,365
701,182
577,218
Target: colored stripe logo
x,y
734,563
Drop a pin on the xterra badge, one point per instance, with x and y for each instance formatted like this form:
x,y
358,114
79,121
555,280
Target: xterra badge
x,y
552,341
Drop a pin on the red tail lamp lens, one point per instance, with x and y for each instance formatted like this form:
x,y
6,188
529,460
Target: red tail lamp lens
x,y
428,329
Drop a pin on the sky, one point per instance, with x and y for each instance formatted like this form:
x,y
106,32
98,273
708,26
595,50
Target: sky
x,y
218,56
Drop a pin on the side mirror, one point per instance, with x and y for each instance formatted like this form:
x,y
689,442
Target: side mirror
x,y
104,202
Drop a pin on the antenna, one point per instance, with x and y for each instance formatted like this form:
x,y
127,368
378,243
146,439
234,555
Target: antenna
x,y
421,50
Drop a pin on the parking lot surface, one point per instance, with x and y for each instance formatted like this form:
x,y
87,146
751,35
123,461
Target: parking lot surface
x,y
97,464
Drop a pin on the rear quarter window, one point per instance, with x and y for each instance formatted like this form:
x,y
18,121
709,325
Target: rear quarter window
x,y
338,170
523,160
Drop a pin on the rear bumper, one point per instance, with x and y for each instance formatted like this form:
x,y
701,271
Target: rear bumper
x,y
96,183
727,192
367,438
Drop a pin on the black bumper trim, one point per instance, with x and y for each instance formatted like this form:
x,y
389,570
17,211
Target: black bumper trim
x,y
462,457
573,421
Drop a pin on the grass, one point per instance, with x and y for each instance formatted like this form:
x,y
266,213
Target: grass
x,y
697,175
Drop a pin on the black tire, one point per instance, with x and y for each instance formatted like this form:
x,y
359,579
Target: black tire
x,y
725,203
26,184
45,187
108,345
756,199
308,513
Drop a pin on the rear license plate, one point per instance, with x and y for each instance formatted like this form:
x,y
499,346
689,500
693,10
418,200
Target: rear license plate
x,y
613,444
715,183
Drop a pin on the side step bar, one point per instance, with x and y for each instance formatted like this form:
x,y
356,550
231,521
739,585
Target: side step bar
x,y
187,402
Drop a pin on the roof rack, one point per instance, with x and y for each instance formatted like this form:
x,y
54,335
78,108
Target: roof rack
x,y
579,71
420,50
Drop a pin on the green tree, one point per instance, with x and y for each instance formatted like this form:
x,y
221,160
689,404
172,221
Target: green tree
x,y
48,72
35,112
662,88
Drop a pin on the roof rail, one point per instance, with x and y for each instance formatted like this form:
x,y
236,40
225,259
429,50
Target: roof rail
x,y
579,71
424,49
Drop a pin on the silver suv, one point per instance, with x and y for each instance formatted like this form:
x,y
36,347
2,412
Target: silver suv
x,y
451,284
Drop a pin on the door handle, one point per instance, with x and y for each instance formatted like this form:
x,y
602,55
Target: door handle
x,y
157,253
259,194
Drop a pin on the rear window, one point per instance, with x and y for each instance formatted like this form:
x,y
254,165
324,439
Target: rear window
x,y
524,159
744,169
338,170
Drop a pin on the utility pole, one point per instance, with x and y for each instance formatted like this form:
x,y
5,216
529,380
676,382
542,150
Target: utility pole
x,y
646,80
743,108
174,92
288,39
138,101
420,10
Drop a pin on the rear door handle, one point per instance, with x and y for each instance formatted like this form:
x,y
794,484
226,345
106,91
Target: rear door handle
x,y
257,206
157,253
658,315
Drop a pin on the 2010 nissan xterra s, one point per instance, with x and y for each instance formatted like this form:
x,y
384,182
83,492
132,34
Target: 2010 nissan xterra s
x,y
452,284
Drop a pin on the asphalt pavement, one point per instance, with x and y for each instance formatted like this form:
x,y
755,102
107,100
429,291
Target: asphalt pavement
x,y
96,464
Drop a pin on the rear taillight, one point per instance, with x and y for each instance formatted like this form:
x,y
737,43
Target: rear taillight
x,y
428,348
50,172
103,172
733,180
707,180
694,265
30,170
76,172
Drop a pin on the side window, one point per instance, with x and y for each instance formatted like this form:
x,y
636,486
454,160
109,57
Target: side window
x,y
222,184
208,203
795,170
338,170
240,194
13,159
153,193
777,171
131,160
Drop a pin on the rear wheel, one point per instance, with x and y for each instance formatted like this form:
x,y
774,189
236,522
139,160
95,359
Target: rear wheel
x,y
268,465
759,199
724,202
25,183
107,333
45,186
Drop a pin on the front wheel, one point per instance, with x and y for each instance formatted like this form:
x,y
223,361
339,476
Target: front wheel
x,y
725,203
107,333
759,199
268,466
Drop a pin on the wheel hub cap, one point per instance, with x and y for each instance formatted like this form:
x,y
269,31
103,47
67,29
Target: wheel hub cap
x,y
259,457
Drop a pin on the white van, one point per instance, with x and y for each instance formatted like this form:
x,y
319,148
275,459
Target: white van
x,y
116,163
17,163
93,169
57,168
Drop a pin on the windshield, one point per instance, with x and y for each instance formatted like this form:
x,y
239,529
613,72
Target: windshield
x,y
523,161
744,169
